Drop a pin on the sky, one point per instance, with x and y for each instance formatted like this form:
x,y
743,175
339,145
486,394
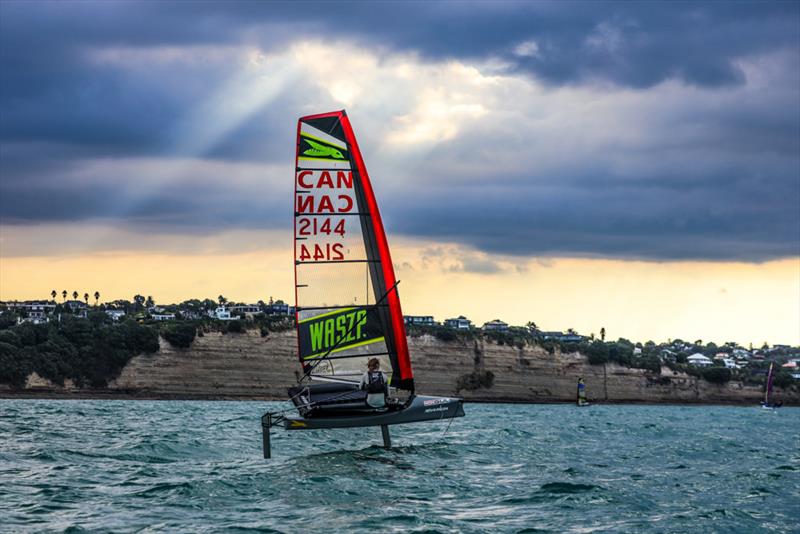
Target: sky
x,y
633,166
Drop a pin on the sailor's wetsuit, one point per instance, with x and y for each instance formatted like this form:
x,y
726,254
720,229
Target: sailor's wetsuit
x,y
374,382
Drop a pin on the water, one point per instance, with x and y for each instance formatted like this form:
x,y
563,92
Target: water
x,y
129,466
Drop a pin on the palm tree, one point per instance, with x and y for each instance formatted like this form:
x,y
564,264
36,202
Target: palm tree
x,y
74,295
96,297
138,301
222,300
603,333
532,327
86,298
150,302
53,294
64,295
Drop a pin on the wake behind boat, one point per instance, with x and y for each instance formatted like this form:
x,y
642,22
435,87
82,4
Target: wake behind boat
x,y
347,304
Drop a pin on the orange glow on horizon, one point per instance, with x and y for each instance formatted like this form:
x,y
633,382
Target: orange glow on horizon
x,y
747,303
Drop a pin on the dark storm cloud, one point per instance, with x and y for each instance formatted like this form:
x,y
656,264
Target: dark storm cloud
x,y
638,222
63,102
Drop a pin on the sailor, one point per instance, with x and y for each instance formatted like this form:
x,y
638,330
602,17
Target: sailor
x,y
581,392
375,384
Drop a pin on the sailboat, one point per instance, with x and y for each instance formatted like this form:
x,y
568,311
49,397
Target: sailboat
x,y
582,393
767,403
347,302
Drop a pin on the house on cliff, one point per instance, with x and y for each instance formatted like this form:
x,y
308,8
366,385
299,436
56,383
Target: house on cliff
x,y
420,320
569,337
496,326
459,323
699,360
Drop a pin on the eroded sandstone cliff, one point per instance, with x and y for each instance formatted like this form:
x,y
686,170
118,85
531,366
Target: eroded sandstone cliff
x,y
250,366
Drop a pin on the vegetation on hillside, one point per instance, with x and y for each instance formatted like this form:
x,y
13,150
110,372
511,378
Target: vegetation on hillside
x,y
89,352
83,342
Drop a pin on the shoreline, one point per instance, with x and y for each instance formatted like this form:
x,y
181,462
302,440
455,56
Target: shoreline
x,y
143,396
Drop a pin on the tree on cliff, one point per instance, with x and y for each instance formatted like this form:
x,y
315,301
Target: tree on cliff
x,y
64,295
53,294
86,298
180,334
603,334
150,302
96,297
222,300
91,352
597,352
716,375
74,295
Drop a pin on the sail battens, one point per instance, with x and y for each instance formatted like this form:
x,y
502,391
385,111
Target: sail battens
x,y
359,214
311,308
331,354
335,261
342,263
335,356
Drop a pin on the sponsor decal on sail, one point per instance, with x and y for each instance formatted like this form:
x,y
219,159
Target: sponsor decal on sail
x,y
338,331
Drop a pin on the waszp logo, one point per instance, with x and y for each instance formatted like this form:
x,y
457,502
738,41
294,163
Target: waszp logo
x,y
318,150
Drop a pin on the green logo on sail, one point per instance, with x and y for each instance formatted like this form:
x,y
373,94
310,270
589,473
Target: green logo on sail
x,y
318,150
337,331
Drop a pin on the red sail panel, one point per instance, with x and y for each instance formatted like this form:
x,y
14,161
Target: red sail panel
x,y
348,309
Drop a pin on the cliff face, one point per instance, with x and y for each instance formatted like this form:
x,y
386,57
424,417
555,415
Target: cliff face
x,y
531,374
249,366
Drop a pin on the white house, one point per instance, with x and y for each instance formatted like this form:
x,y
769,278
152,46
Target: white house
x,y
221,313
115,315
731,363
163,316
699,360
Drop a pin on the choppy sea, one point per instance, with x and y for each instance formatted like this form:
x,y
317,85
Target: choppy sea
x,y
141,466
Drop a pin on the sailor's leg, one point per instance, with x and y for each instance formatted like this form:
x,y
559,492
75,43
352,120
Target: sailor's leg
x,y
387,440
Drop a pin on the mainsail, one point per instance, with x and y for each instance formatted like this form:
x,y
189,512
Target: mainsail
x,y
768,389
348,309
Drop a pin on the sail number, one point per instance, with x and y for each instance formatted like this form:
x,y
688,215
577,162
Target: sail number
x,y
326,252
321,195
313,226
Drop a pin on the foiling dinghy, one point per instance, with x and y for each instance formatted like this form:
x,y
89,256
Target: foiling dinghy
x,y
347,304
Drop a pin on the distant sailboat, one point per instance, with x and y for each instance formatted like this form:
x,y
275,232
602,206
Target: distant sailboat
x,y
348,308
582,393
767,403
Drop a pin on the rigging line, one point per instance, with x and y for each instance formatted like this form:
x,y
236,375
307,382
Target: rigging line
x,y
306,374
446,428
335,124
290,399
